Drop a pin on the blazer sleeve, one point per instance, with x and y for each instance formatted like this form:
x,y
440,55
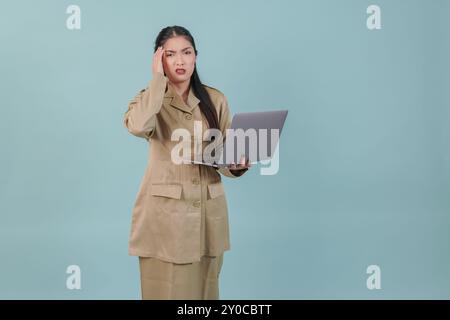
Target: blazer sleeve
x,y
225,123
140,118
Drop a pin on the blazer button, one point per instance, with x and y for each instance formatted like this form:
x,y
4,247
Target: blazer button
x,y
195,181
197,203
188,116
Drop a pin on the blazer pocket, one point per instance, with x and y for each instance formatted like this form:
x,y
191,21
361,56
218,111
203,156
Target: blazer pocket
x,y
216,222
216,204
167,190
215,190
173,227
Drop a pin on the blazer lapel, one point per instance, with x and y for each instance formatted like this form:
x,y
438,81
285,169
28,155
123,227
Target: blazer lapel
x,y
175,100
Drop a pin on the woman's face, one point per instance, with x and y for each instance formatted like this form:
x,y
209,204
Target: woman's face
x,y
179,59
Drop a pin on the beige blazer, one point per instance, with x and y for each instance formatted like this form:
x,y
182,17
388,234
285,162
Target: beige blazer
x,y
180,212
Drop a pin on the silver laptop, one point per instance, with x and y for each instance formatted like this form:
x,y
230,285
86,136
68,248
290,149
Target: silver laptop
x,y
253,135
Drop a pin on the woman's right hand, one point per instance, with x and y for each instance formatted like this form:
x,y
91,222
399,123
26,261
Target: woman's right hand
x,y
157,61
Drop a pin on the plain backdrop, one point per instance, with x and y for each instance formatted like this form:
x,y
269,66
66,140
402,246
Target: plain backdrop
x,y
364,155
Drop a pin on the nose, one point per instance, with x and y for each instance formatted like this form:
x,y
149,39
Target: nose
x,y
179,60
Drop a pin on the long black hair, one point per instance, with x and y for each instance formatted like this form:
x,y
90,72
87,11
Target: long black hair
x,y
206,104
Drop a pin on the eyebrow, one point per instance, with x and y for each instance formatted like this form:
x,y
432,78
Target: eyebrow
x,y
181,49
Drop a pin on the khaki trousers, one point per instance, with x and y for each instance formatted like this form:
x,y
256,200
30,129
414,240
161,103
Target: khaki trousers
x,y
187,281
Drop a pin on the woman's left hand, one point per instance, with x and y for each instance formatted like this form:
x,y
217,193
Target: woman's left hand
x,y
240,168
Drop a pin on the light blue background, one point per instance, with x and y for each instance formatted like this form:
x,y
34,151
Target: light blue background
x,y
365,159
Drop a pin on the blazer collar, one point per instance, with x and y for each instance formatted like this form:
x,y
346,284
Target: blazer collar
x,y
176,101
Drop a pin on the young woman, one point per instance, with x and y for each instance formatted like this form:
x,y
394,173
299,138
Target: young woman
x,y
179,225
